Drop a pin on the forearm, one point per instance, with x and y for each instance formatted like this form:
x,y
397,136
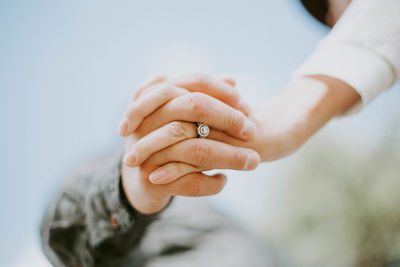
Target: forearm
x,y
301,109
316,100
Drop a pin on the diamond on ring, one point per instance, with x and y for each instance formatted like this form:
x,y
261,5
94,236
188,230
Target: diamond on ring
x,y
203,130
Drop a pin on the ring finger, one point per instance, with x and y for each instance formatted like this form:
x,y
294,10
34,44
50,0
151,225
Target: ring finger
x,y
201,108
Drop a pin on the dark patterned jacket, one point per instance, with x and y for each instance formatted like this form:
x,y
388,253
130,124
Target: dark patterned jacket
x,y
90,223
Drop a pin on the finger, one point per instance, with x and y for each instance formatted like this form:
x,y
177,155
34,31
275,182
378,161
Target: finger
x,y
152,81
207,84
172,171
226,138
149,102
146,104
211,86
242,106
198,107
157,140
123,124
196,185
207,154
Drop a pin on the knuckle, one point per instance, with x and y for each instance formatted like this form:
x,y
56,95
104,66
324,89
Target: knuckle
x,y
167,91
195,187
201,153
133,110
144,91
177,130
234,120
196,102
238,160
201,78
153,160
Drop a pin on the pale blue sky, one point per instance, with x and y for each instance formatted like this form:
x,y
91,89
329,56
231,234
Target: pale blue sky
x,y
67,70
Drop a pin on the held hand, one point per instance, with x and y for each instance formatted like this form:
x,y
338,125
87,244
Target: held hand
x,y
171,123
169,141
187,159
149,198
287,121
282,124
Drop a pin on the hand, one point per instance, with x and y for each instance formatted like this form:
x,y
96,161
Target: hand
x,y
282,124
188,107
200,154
160,90
148,197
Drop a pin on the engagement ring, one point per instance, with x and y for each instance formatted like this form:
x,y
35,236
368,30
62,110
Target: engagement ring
x,y
202,129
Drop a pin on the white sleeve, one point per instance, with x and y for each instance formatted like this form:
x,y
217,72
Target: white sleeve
x,y
363,49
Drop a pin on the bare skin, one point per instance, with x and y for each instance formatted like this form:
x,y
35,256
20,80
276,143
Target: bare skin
x,y
170,159
171,139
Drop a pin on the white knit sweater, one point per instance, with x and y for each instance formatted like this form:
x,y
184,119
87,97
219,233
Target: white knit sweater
x,y
363,49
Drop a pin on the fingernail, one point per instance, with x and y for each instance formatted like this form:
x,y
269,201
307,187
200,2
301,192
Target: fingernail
x,y
158,176
252,161
123,126
131,159
248,129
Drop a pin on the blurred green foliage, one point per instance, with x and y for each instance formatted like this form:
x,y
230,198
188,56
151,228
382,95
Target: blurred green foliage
x,y
342,205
